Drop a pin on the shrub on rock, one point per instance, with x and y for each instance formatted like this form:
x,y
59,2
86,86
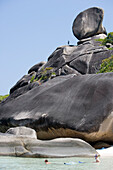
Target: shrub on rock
x,y
107,65
108,39
3,97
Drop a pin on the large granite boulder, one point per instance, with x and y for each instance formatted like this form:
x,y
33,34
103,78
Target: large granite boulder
x,y
26,146
89,23
66,106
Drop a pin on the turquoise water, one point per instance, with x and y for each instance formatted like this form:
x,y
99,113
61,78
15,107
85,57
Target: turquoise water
x,y
16,163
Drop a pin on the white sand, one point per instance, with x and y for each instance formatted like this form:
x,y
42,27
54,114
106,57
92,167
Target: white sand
x,y
106,152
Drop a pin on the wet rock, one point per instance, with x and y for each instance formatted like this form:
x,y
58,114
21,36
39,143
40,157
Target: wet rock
x,y
88,23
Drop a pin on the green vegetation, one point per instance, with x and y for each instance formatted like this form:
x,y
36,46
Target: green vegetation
x,y
108,39
3,97
101,40
44,75
107,65
110,48
32,79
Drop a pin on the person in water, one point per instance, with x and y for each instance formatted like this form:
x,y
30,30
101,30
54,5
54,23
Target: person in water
x,y
46,162
96,158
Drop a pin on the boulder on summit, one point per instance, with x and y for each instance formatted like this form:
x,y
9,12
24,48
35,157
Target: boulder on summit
x,y
89,23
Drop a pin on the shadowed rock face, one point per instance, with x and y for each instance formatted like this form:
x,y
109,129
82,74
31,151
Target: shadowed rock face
x,y
88,23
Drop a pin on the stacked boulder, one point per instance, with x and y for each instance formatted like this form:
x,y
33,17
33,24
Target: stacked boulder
x,y
89,23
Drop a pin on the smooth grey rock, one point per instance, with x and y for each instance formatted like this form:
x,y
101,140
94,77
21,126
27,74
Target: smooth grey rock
x,y
88,23
22,90
25,80
22,131
81,64
73,106
36,67
68,70
96,60
95,37
28,147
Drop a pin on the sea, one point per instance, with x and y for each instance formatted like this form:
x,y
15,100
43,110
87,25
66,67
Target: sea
x,y
78,163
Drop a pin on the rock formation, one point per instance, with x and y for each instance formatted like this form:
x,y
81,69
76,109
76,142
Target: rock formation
x,y
64,97
17,143
89,23
22,132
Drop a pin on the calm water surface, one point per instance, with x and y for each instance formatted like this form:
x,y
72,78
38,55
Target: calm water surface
x,y
15,163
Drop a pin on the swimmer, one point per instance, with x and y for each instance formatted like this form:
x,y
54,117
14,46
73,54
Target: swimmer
x,y
96,158
46,161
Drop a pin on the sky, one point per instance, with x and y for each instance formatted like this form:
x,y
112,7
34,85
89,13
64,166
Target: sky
x,y
30,30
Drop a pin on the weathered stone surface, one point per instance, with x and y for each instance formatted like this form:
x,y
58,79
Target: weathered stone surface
x,y
22,90
65,60
81,64
88,23
22,132
68,70
96,60
25,80
68,106
36,67
26,146
96,37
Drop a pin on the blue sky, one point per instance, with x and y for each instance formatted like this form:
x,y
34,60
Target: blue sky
x,y
30,30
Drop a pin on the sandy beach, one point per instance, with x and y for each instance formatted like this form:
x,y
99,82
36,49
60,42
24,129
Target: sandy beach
x,y
108,152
